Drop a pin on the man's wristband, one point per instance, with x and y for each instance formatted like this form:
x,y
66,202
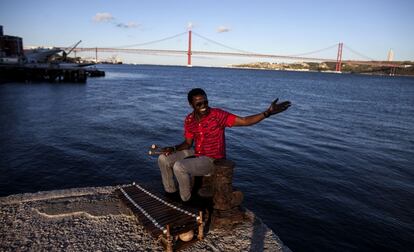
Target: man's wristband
x,y
266,114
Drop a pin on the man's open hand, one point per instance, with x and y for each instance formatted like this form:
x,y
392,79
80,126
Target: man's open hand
x,y
275,107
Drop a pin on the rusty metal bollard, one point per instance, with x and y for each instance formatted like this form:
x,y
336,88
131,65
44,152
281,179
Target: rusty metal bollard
x,y
226,202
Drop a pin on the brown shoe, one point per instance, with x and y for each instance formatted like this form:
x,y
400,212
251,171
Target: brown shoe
x,y
205,192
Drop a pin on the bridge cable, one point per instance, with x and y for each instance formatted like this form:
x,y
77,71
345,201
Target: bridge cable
x,y
258,54
312,52
359,54
223,45
151,42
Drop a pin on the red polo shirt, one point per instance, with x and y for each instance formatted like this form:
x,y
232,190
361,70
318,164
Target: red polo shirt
x,y
208,134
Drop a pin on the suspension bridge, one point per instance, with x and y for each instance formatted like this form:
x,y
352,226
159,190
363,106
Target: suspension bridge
x,y
234,52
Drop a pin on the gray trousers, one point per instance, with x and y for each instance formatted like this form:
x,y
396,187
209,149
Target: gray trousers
x,y
184,167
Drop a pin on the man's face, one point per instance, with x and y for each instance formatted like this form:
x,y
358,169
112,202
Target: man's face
x,y
200,104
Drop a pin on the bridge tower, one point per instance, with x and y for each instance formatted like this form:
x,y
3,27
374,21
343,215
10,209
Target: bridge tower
x,y
189,49
339,57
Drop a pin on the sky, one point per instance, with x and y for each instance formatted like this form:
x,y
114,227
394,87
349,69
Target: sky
x,y
368,29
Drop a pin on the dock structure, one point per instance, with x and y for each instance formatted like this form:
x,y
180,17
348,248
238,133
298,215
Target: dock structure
x,y
22,73
46,73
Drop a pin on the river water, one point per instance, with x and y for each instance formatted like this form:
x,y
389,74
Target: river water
x,y
333,173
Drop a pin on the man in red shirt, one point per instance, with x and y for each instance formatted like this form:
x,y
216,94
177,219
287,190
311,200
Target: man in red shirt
x,y
204,127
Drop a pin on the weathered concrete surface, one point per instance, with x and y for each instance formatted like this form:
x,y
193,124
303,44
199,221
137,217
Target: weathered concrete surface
x,y
93,219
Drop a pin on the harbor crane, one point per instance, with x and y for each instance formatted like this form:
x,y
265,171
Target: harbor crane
x,y
65,54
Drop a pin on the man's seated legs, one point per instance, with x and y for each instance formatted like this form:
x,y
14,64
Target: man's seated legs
x,y
186,168
166,164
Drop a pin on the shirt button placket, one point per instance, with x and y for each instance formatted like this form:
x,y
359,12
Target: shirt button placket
x,y
201,137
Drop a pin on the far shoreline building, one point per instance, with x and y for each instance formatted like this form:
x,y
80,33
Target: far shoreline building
x,y
11,49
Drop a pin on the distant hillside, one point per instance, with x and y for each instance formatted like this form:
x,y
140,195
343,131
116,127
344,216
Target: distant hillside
x,y
404,67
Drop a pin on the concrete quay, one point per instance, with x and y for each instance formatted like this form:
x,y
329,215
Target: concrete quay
x,y
94,219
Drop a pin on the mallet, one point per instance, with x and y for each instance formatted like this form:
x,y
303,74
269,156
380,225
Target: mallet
x,y
155,150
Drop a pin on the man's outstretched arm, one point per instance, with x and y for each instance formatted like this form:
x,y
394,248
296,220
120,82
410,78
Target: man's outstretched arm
x,y
273,109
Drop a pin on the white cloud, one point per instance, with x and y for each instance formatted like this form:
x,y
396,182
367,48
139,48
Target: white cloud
x,y
190,25
103,17
127,25
221,29
107,17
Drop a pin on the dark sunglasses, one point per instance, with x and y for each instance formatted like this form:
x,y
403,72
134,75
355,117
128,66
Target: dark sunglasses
x,y
199,104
